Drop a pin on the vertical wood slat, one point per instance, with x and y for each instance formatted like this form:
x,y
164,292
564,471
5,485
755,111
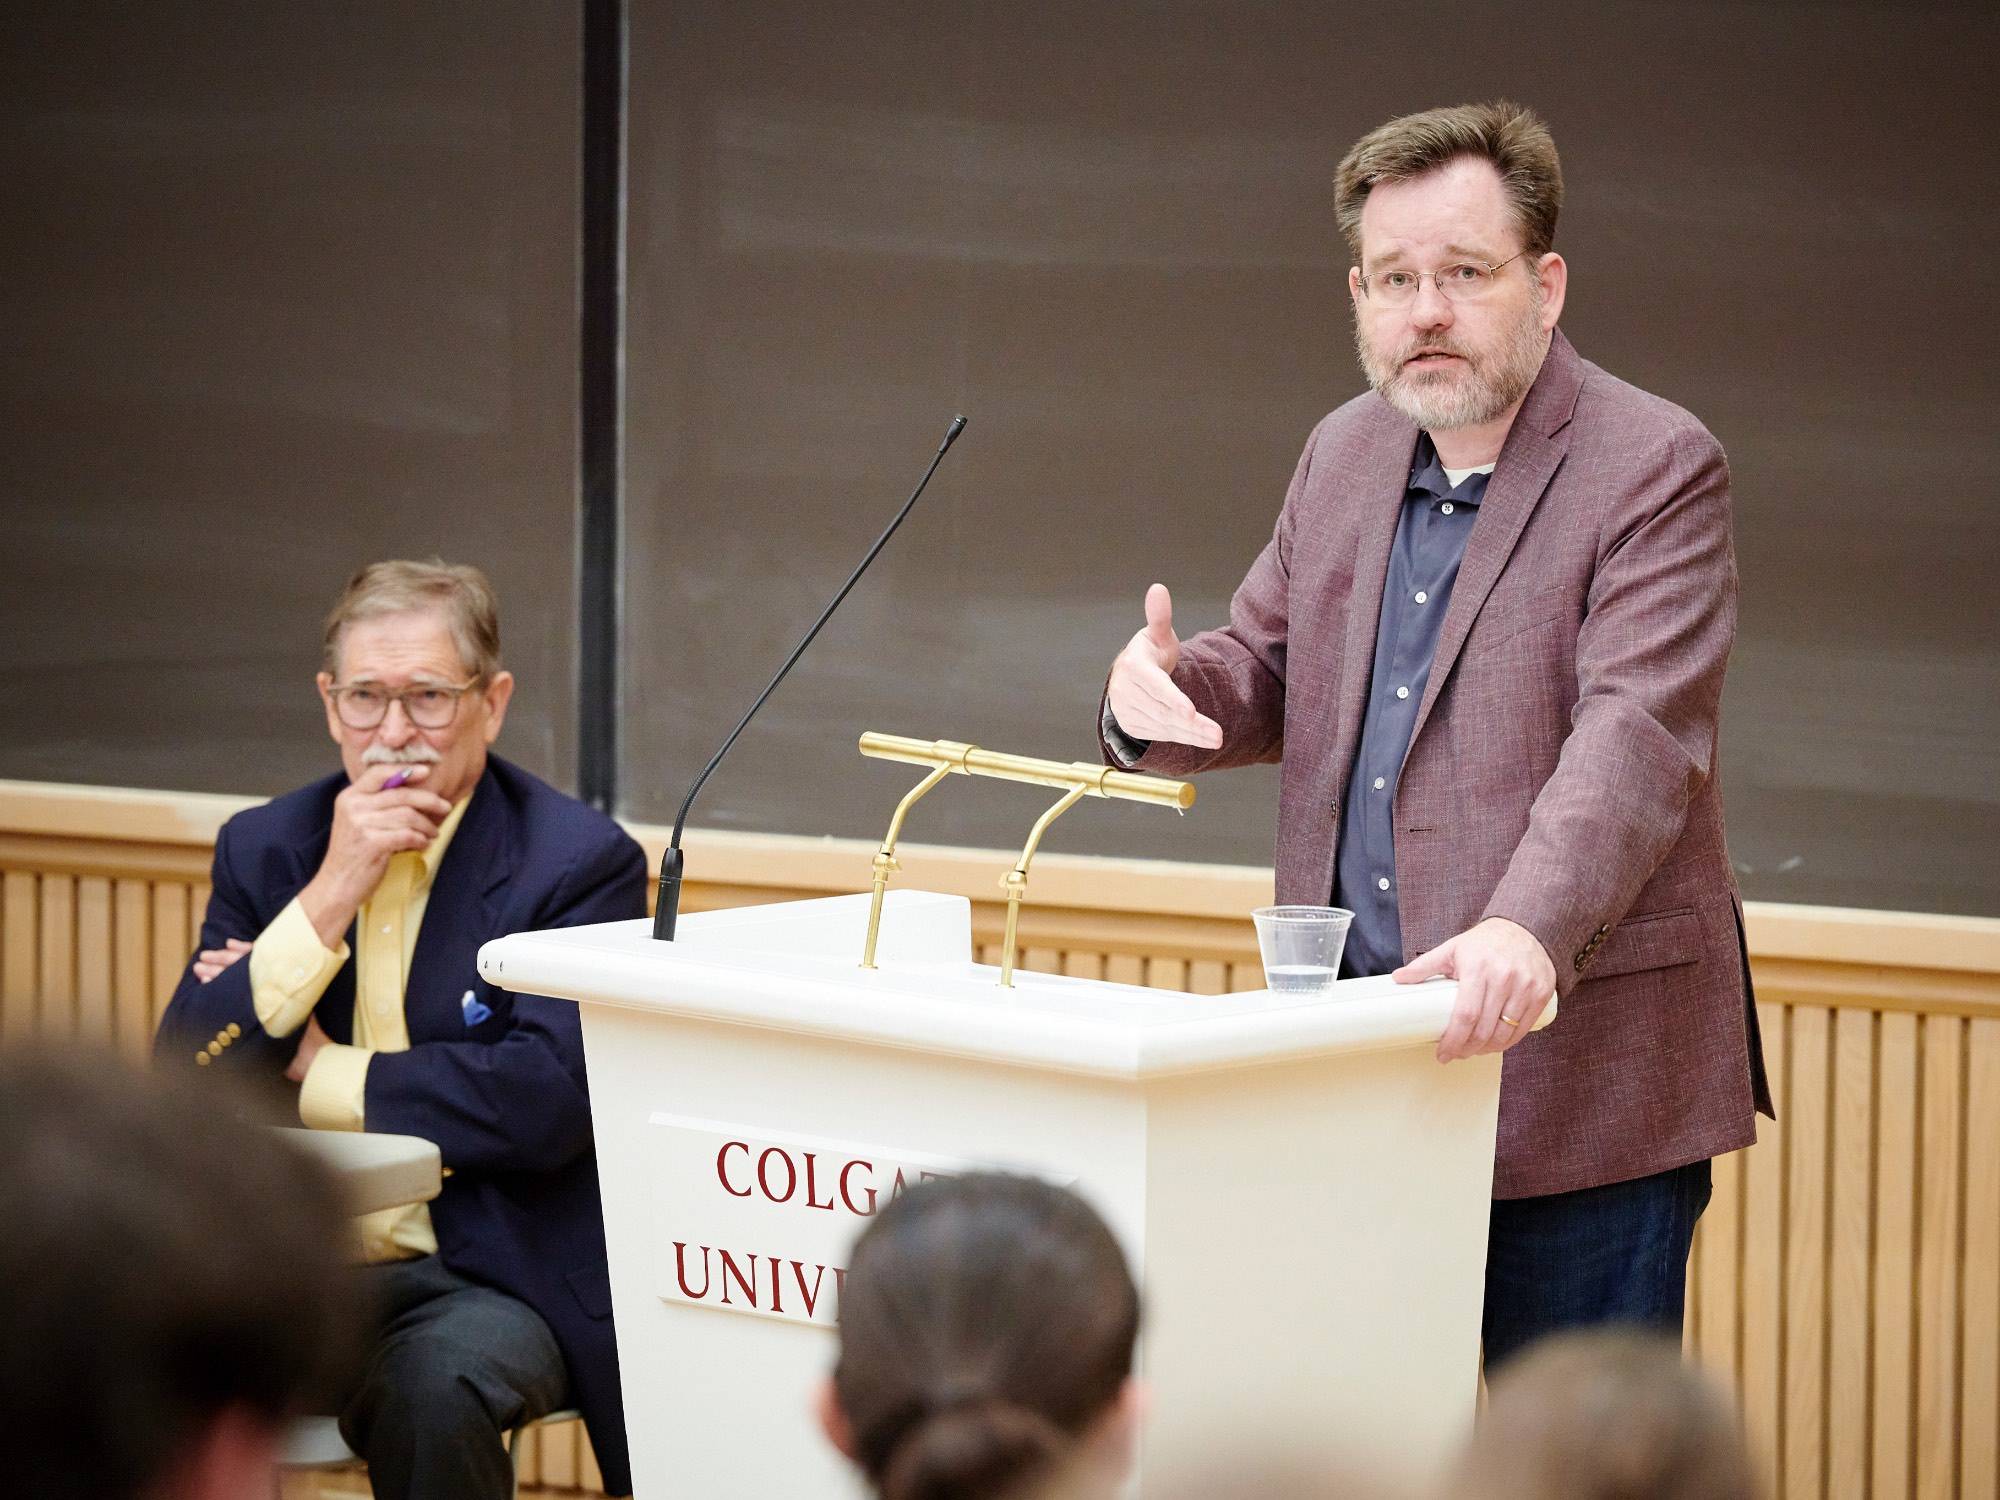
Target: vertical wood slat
x,y
1080,963
1892,1461
170,956
558,1465
1207,976
1717,1263
1763,1263
1125,968
1849,1316
1805,1256
55,977
528,1455
1243,978
21,926
1979,1379
93,959
1939,1204
1165,973
131,968
1041,960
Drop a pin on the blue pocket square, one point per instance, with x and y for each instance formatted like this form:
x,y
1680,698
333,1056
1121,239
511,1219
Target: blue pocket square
x,y
476,1010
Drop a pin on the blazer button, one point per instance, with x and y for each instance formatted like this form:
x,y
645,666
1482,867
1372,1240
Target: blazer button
x,y
201,1059
215,1049
1333,807
234,1030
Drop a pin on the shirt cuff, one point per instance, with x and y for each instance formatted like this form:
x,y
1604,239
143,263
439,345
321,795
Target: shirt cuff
x,y
290,969
1124,749
334,1095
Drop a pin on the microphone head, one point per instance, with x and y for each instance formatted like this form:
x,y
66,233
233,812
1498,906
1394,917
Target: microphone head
x,y
957,426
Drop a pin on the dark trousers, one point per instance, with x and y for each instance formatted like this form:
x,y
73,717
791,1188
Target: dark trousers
x,y
1612,1254
456,1365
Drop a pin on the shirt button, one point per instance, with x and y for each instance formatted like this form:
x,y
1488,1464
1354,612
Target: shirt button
x,y
298,976
385,929
1382,883
1446,507
1379,783
1400,693
1422,597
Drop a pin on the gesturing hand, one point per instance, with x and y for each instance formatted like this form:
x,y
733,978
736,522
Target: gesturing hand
x,y
370,823
1505,979
1143,697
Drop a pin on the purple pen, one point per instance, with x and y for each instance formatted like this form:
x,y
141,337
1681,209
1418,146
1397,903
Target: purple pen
x,y
395,781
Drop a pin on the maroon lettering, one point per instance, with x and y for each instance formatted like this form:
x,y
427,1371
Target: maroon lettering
x,y
748,1285
680,1271
899,1187
847,1196
764,1175
812,1164
809,1295
722,1166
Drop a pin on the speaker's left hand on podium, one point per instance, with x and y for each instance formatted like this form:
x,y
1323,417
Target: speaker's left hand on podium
x,y
1505,980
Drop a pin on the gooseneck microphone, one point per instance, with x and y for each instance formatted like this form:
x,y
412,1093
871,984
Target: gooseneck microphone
x,y
667,912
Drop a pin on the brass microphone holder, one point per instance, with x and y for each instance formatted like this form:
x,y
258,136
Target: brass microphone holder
x,y
1077,779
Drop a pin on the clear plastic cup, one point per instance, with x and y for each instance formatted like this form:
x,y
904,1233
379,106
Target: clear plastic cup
x,y
1301,946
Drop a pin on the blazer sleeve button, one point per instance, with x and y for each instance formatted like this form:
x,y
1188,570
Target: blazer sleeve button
x,y
201,1059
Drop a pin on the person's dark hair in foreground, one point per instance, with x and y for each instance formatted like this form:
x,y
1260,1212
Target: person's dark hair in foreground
x,y
171,1286
986,1334
1609,1414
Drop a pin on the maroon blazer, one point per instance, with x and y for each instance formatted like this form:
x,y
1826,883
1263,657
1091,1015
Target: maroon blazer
x,y
1562,772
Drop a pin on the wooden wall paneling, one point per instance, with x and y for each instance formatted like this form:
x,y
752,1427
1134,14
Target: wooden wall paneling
x,y
131,968
170,951
1764,1262
589,1477
198,894
528,1461
1245,977
1716,1273
1125,968
93,958
1806,1254
558,1466
1939,1207
1166,973
21,926
1208,976
55,978
1849,1282
1892,1464
1979,1380
1083,965
1040,960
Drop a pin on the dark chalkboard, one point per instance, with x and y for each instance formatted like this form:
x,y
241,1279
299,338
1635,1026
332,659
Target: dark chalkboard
x,y
284,288
1105,233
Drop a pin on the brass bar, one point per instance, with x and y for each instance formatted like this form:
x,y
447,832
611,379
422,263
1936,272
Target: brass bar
x,y
1015,881
885,858
968,760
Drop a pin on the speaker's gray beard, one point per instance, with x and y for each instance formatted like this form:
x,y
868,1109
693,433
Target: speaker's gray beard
x,y
1489,385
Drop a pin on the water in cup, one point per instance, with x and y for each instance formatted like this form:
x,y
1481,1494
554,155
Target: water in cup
x,y
1298,979
1301,946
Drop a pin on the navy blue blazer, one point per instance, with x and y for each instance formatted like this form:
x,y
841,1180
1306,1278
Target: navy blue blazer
x,y
494,1078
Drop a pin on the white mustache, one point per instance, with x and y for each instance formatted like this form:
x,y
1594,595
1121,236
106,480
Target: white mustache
x,y
418,754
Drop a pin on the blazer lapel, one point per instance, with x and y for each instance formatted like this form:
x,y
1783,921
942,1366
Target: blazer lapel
x,y
1380,478
462,912
1528,460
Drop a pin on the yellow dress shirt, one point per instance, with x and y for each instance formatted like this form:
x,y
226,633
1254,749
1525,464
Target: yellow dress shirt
x,y
290,969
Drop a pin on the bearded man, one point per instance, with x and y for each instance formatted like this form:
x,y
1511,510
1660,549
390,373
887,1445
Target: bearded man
x,y
1487,643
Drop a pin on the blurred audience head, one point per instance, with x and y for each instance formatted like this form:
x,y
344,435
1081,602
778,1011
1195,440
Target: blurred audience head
x,y
171,1286
986,1333
410,673
1611,1414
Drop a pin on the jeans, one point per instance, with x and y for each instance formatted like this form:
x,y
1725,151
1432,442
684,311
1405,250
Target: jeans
x,y
1611,1254
456,1365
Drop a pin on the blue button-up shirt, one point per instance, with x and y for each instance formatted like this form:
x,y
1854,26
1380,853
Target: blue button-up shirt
x,y
1423,565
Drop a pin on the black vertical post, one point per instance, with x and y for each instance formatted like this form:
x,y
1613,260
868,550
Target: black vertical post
x,y
600,453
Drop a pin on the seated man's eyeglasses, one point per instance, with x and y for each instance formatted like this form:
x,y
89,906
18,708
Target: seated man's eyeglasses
x,y
1467,281
428,705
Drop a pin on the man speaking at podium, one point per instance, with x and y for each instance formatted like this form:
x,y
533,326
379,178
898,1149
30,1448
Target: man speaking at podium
x,y
1487,642
339,951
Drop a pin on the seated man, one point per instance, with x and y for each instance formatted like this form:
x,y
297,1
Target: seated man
x,y
168,1299
361,902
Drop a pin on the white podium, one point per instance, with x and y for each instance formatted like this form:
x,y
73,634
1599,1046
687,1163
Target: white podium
x,y
1302,1190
